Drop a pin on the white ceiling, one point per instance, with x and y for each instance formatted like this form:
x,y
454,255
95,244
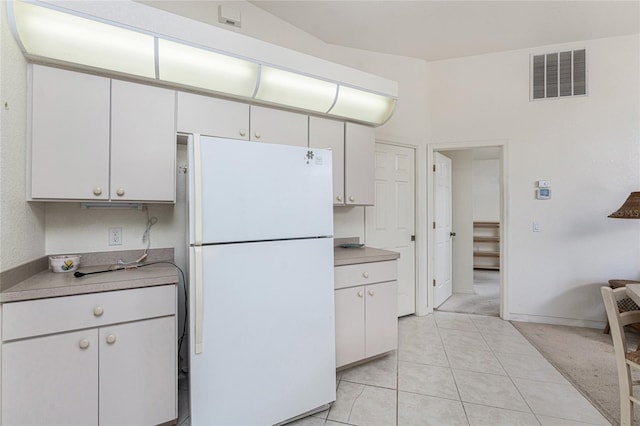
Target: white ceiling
x,y
434,30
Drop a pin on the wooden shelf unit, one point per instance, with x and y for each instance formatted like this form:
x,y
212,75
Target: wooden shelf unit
x,y
486,245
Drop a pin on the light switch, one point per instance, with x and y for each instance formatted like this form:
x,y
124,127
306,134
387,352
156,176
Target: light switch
x,y
537,227
544,184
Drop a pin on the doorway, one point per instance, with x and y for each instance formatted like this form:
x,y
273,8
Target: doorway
x,y
475,256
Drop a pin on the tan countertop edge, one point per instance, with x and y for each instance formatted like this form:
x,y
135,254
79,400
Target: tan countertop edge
x,y
48,284
352,256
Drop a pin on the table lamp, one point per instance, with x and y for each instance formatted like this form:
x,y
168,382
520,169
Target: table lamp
x,y
630,209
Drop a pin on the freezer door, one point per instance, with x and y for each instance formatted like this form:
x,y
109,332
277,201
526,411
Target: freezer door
x,y
249,191
266,349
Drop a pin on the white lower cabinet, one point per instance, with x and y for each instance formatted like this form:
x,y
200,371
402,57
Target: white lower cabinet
x,y
366,315
111,374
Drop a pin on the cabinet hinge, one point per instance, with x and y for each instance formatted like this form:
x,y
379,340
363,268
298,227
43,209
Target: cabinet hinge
x,y
434,282
413,238
434,225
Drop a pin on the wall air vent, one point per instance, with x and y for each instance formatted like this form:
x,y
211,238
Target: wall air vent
x,y
559,75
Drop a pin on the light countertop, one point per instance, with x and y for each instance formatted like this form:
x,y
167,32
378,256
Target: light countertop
x,y
49,284
351,256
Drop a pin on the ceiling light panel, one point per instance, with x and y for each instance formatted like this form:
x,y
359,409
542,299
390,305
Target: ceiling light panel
x,y
192,66
363,106
296,90
48,33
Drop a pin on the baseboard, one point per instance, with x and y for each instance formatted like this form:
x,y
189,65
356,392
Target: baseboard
x,y
555,320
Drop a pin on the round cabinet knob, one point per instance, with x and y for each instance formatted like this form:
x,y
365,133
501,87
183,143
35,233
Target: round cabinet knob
x,y
365,274
351,198
257,135
97,190
339,198
84,344
120,192
98,311
111,339
370,292
360,293
242,132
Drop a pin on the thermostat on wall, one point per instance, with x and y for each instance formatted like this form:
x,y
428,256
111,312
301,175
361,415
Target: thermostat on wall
x,y
543,193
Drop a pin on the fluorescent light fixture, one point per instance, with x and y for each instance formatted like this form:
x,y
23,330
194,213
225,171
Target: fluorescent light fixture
x,y
364,106
112,206
48,33
296,90
45,31
192,66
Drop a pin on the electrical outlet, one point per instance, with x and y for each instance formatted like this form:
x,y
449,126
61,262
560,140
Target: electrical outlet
x,y
115,236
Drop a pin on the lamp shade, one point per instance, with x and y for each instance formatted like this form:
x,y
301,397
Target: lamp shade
x,y
630,209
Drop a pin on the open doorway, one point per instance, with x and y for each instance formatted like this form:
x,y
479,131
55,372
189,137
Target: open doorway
x,y
475,208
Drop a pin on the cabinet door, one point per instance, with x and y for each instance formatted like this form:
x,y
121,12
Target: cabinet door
x,y
51,380
138,376
359,166
69,135
329,134
143,143
350,334
381,318
276,126
212,117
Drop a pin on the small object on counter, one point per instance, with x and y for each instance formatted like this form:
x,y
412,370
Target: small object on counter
x,y
351,245
64,263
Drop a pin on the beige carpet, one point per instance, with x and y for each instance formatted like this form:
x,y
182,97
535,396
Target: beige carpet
x,y
585,357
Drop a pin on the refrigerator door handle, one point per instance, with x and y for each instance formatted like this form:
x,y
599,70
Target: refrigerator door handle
x,y
197,189
199,320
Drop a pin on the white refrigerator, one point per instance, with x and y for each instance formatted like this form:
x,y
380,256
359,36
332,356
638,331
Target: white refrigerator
x,y
261,294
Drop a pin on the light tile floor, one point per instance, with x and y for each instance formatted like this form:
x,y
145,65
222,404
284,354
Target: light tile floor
x,y
485,299
455,369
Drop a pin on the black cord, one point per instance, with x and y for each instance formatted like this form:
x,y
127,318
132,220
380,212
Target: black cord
x,y
186,300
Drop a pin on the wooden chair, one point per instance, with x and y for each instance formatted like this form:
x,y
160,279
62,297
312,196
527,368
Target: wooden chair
x,y
625,359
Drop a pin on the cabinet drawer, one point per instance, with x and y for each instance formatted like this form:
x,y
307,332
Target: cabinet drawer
x,y
45,316
364,273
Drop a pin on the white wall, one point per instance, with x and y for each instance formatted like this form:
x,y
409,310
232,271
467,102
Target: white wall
x,y
486,190
462,187
21,224
588,147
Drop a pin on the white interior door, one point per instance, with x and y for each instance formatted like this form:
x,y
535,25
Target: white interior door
x,y
390,223
442,214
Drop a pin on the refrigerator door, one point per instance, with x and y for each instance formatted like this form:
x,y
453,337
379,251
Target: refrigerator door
x,y
266,332
249,191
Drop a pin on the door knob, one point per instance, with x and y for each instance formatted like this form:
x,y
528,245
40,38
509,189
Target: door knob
x,y
120,192
351,198
339,198
97,190
242,132
84,344
452,234
111,339
360,293
365,274
98,311
370,292
257,135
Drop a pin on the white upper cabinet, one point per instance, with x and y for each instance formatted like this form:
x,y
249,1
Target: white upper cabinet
x,y
143,143
329,134
95,139
359,172
212,117
281,127
69,135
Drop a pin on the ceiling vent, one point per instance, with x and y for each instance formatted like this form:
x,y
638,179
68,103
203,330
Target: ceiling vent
x,y
559,75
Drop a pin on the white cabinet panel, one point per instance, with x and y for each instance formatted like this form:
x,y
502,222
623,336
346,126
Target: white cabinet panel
x,y
359,172
69,135
366,315
128,352
106,372
212,117
276,126
324,133
382,318
350,330
51,380
143,142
